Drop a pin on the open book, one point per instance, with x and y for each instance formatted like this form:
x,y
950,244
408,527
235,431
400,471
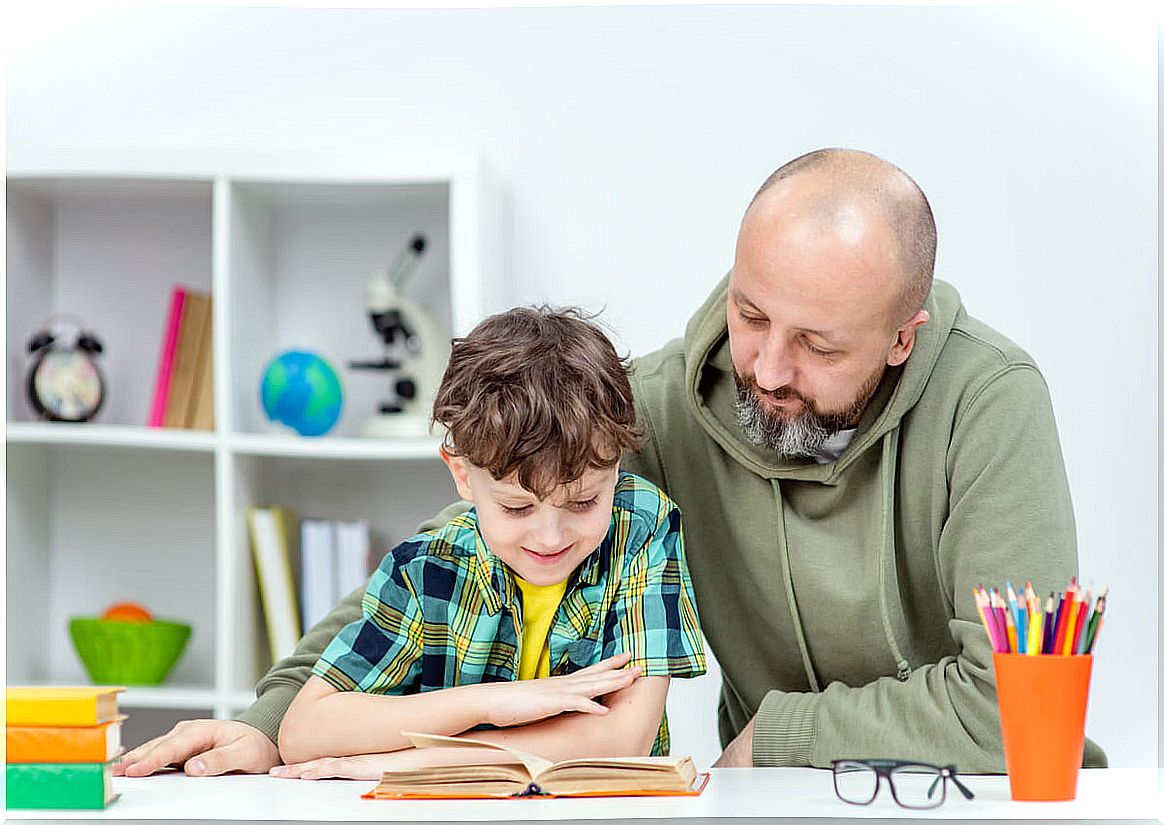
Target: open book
x,y
522,774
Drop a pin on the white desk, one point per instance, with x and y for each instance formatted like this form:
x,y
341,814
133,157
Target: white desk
x,y
740,796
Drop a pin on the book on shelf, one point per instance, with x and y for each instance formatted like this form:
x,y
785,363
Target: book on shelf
x,y
61,706
274,545
522,774
333,563
59,786
166,359
317,582
200,413
63,743
184,387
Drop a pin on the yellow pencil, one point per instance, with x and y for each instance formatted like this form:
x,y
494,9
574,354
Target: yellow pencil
x,y
1072,617
1010,631
1036,634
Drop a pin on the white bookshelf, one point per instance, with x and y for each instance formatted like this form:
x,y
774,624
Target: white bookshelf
x,y
113,510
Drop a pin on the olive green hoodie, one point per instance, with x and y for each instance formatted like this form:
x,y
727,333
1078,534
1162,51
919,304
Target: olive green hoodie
x,y
837,597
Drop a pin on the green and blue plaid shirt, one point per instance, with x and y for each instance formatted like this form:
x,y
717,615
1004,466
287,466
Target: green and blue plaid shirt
x,y
441,610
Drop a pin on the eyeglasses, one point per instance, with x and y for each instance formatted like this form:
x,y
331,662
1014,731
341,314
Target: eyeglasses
x,y
913,784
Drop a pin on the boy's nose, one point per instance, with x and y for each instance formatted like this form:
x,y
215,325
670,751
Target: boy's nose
x,y
548,535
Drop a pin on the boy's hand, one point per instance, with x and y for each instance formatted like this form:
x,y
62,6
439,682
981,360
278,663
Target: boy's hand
x,y
522,702
208,747
370,766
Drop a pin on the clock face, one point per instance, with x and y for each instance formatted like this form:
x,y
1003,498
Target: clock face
x,y
68,385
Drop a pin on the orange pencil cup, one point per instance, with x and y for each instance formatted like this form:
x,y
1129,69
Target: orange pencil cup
x,y
1042,704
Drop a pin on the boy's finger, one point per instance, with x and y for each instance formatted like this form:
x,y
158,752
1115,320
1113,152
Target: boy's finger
x,y
613,663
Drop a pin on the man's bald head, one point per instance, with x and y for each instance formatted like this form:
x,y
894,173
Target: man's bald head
x,y
839,188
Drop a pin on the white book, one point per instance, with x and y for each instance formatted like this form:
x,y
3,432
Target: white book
x,y
271,530
352,557
318,583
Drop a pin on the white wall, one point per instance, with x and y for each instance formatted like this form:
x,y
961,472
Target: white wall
x,y
627,141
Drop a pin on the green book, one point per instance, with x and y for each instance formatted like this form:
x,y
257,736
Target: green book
x,y
60,786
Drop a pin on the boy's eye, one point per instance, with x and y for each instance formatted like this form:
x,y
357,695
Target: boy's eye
x,y
583,505
516,511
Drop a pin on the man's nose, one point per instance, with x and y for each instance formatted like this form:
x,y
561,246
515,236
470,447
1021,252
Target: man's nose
x,y
774,365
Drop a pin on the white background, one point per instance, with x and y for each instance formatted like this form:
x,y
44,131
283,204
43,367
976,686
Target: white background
x,y
625,142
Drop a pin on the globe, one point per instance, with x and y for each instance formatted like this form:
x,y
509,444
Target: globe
x,y
301,390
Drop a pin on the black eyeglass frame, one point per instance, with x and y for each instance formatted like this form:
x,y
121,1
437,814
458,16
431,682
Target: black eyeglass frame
x,y
884,768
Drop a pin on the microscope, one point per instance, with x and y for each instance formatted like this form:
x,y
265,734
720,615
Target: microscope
x,y
416,351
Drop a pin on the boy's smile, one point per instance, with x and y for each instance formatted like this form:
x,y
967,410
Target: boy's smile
x,y
541,540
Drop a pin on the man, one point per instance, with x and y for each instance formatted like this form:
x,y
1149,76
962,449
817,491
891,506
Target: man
x,y
852,453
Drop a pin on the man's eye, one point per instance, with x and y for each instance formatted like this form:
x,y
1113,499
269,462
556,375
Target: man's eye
x,y
753,320
516,511
823,353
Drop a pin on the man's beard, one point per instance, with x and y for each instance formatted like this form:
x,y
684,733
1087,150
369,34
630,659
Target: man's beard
x,y
804,434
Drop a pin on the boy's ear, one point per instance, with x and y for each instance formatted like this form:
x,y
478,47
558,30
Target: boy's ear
x,y
458,469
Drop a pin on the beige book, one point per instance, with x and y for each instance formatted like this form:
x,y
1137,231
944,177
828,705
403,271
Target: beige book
x,y
195,317
200,411
523,774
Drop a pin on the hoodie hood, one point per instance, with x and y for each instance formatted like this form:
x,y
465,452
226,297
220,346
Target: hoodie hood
x,y
711,391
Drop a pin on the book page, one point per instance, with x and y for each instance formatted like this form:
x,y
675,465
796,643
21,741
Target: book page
x,y
534,764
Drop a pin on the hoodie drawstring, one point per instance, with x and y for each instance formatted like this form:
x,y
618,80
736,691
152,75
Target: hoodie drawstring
x,y
886,560
886,565
789,594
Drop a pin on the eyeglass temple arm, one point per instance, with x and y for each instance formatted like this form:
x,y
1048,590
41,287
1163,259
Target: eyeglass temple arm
x,y
966,792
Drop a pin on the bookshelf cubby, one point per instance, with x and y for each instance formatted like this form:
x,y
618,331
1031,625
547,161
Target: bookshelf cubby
x,y
113,510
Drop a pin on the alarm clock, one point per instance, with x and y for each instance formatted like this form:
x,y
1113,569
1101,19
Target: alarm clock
x,y
64,382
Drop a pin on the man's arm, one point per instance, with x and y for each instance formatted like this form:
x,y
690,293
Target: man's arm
x,y
1009,515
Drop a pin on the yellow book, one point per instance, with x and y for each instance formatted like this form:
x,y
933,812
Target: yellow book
x,y
61,705
273,533
195,318
200,415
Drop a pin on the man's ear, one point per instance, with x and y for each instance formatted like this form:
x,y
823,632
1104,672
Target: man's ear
x,y
459,470
905,337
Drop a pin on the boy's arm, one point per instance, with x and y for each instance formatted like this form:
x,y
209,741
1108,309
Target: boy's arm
x,y
628,729
323,721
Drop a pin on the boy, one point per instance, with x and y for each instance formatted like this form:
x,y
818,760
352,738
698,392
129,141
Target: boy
x,y
565,583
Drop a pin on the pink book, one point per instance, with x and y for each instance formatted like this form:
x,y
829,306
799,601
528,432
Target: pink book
x,y
166,361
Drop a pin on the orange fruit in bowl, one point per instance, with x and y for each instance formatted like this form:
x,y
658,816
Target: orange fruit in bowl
x,y
127,612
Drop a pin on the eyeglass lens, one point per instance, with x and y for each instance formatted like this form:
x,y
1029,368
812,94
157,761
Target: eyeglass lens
x,y
855,782
917,786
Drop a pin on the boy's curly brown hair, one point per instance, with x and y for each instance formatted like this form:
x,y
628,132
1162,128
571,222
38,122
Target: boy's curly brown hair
x,y
539,392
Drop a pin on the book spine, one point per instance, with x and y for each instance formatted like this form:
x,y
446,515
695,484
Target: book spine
x,y
58,786
166,359
183,373
201,412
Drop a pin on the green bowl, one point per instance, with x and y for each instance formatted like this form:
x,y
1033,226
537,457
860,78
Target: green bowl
x,y
128,653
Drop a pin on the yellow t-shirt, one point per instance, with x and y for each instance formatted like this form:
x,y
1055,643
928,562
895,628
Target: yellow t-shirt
x,y
539,605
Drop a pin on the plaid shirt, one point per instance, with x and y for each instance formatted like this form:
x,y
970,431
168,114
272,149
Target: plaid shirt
x,y
442,610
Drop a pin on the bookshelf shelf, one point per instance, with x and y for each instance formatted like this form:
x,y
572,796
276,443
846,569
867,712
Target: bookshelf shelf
x,y
114,510
342,448
109,435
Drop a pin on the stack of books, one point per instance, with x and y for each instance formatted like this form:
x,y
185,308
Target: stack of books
x,y
62,742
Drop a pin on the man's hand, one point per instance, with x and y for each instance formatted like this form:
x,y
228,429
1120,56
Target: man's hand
x,y
738,753
531,700
206,747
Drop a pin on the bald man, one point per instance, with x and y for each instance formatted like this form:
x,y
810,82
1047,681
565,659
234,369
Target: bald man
x,y
852,453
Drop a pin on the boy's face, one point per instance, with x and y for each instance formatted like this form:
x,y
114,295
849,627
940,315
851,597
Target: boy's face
x,y
542,540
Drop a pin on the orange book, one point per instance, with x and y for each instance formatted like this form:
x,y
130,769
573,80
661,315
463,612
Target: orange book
x,y
89,743
61,705
506,772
